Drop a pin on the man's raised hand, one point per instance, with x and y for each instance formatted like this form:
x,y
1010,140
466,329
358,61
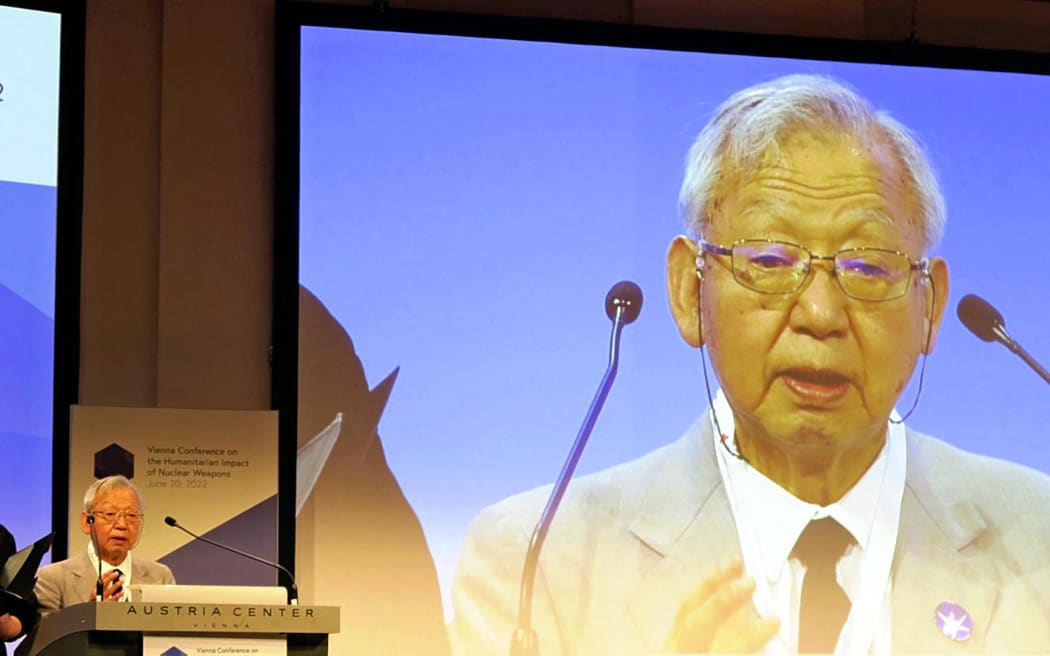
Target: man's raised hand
x,y
719,618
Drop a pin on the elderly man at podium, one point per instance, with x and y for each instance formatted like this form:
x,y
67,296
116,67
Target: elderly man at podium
x,y
112,520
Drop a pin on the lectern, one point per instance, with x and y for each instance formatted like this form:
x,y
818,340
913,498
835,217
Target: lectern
x,y
117,629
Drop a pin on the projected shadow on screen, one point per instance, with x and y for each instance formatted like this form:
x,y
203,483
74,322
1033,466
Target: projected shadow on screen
x,y
359,544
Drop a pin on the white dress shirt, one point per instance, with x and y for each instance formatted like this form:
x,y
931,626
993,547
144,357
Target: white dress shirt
x,y
769,520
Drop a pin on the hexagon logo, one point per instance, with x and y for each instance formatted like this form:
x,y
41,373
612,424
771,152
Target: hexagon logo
x,y
114,460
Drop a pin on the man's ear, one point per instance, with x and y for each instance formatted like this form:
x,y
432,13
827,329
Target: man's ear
x,y
84,526
936,301
683,289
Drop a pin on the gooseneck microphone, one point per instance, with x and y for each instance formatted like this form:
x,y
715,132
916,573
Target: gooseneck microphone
x,y
988,324
622,305
293,590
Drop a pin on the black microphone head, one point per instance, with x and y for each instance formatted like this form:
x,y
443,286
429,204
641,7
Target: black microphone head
x,y
170,521
627,295
90,519
980,317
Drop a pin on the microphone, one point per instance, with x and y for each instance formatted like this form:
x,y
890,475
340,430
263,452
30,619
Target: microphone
x,y
988,324
622,305
94,541
293,590
625,297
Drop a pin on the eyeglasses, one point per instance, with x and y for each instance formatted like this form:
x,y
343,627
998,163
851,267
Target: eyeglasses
x,y
780,267
111,517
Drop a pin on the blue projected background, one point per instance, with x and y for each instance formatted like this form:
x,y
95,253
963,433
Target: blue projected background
x,y
29,67
466,203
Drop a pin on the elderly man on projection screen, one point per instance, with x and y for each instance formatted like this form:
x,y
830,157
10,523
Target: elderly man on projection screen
x,y
799,514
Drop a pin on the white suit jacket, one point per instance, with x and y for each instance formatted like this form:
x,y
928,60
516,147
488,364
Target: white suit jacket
x,y
630,543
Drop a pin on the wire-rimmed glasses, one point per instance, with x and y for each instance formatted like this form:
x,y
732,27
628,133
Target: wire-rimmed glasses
x,y
112,516
778,267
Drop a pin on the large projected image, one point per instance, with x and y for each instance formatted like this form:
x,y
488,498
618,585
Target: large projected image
x,y
29,87
466,203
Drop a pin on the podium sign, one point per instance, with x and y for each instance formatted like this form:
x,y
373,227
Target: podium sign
x,y
200,617
164,645
120,628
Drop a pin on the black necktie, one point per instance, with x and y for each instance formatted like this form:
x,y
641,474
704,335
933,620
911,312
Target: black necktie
x,y
824,606
120,577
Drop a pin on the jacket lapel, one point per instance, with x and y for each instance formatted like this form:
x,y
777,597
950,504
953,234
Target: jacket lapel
x,y
139,573
932,562
81,585
686,520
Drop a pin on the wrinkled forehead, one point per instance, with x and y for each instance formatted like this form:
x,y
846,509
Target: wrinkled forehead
x,y
823,158
118,498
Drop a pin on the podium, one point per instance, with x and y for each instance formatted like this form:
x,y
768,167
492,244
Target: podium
x,y
117,629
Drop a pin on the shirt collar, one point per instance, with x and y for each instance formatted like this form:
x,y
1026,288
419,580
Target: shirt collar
x,y
778,515
124,566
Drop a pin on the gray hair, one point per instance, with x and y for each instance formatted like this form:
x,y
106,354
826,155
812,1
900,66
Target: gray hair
x,y
107,484
752,121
